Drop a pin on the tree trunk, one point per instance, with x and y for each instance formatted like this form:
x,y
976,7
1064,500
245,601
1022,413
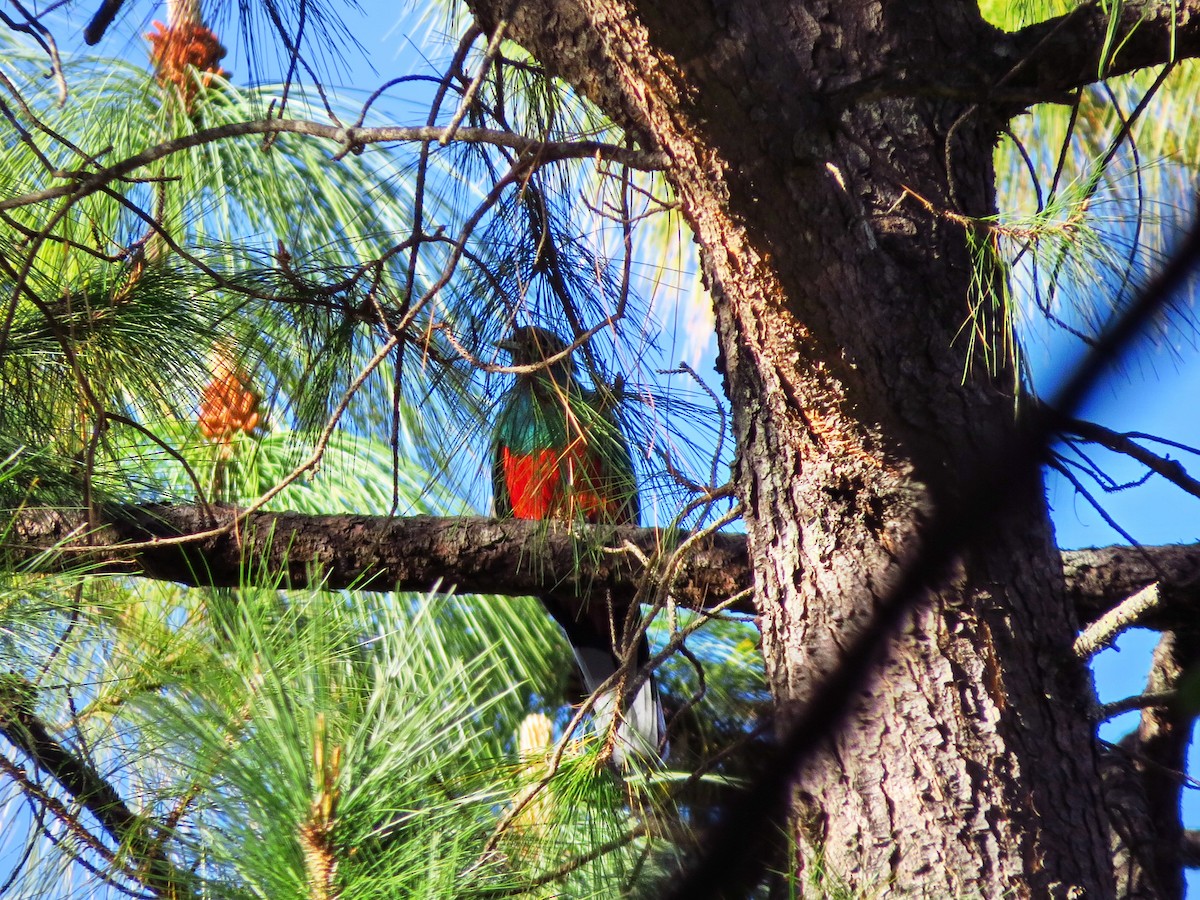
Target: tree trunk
x,y
811,145
1158,753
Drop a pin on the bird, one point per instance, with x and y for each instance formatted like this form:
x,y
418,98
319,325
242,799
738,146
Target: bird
x,y
558,453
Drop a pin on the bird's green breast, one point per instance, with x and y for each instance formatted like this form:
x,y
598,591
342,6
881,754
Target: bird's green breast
x,y
528,423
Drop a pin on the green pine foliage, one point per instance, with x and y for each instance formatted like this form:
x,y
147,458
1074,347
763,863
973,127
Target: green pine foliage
x,y
1075,182
268,743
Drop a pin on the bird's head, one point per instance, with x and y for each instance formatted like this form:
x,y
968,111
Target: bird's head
x,y
531,345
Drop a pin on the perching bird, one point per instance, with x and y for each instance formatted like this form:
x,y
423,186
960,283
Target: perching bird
x,y
557,453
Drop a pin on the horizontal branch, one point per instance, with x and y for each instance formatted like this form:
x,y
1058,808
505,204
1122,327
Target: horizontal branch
x,y
491,556
1168,468
1099,580
348,138
468,554
1051,58
1137,701
1189,851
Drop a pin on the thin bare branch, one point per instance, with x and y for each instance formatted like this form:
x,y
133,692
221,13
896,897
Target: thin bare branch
x,y
1170,469
1137,701
82,183
20,725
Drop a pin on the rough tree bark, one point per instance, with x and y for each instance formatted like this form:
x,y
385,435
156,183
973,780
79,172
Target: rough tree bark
x,y
1158,752
210,546
825,154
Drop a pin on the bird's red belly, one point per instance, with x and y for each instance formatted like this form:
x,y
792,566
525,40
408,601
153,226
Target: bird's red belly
x,y
556,484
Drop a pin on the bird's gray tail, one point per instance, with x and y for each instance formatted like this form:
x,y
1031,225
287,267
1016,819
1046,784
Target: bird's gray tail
x,y
642,726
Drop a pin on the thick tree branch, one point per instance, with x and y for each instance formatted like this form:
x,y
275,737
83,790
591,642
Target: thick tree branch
x,y
1100,579
1137,701
1189,852
468,554
1047,60
1143,779
478,555
1131,835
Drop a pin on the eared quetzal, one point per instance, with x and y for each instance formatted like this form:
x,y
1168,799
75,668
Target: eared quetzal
x,y
558,453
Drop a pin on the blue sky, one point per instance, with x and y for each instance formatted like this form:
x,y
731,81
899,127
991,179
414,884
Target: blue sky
x,y
1158,395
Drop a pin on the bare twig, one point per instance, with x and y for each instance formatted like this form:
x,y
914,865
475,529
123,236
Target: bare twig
x,y
1137,701
42,35
468,97
1170,469
82,183
22,727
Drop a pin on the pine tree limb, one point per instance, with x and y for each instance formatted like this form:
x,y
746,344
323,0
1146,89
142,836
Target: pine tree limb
x,y
81,184
201,546
1189,853
196,546
1048,60
1101,633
